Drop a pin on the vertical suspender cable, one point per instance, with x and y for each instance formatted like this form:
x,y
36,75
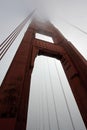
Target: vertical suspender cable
x,y
64,96
53,98
39,111
42,108
47,103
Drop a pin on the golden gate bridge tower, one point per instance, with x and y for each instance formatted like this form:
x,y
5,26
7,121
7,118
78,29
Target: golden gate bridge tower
x,y
15,88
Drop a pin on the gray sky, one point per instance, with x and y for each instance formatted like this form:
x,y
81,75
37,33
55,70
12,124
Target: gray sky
x,y
60,12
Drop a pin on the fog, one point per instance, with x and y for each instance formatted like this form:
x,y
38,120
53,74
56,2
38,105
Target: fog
x,y
62,13
69,16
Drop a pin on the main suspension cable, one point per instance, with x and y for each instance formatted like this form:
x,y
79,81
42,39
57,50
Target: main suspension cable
x,y
7,46
76,27
4,46
73,25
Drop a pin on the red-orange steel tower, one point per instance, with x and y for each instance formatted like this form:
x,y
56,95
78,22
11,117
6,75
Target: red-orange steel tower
x,y
14,91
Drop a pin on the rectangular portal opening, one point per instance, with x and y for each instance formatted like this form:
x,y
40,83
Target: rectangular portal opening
x,y
44,37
